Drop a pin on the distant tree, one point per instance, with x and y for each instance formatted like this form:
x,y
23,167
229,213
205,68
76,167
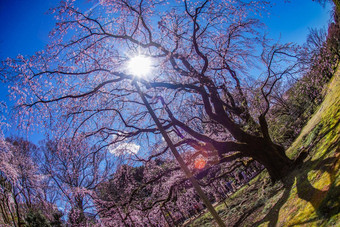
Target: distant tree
x,y
19,180
124,198
57,221
36,219
159,193
333,40
74,170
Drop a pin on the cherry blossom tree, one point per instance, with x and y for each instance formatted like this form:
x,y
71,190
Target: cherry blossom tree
x,y
74,170
21,182
203,88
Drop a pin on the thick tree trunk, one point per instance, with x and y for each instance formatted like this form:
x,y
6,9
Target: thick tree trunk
x,y
273,157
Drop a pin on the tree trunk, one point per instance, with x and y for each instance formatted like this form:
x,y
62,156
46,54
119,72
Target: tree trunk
x,y
11,213
164,216
121,217
4,212
129,216
273,157
150,223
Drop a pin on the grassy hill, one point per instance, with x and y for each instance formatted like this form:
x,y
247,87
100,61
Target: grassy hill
x,y
311,193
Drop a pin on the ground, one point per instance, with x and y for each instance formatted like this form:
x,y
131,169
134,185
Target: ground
x,y
310,194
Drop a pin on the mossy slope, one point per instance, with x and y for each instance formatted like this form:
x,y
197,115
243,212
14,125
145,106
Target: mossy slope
x,y
314,198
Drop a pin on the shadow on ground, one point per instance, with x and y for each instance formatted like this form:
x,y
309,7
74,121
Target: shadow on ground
x,y
325,202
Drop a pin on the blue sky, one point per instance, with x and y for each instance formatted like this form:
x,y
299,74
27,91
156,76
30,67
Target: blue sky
x,y
25,24
291,21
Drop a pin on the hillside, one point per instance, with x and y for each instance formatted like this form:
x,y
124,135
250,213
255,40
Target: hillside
x,y
311,193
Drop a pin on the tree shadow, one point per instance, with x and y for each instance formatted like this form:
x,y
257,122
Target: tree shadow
x,y
325,202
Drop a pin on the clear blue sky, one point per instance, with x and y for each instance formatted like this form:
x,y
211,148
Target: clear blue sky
x,y
292,20
25,24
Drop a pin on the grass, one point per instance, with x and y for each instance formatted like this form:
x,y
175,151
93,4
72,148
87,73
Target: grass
x,y
311,193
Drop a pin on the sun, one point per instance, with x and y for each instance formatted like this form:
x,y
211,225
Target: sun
x,y
139,65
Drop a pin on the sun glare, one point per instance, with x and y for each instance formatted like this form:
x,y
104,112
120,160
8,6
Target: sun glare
x,y
139,65
200,163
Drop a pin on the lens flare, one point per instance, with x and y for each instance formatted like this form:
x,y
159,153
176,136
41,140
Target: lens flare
x,y
200,163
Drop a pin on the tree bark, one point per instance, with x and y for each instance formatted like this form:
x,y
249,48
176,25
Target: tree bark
x,y
273,157
263,150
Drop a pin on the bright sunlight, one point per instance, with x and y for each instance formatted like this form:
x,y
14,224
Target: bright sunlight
x,y
139,65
